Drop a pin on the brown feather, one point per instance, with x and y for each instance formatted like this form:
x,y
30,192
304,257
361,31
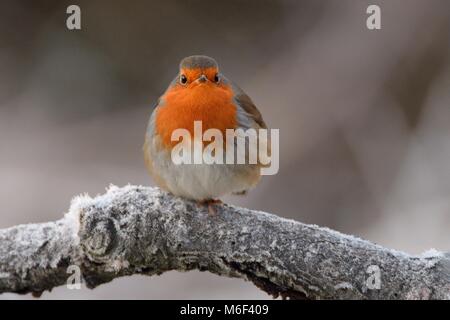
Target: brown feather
x,y
249,107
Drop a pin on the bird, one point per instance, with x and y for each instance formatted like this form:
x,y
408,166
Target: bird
x,y
200,92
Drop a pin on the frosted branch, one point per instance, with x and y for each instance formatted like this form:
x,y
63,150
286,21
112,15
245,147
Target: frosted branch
x,y
140,230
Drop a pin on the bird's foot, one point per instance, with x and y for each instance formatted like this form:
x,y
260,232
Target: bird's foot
x,y
211,203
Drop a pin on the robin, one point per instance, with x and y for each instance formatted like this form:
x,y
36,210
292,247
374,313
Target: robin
x,y
200,92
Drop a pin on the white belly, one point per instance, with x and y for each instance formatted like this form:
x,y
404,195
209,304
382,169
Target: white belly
x,y
202,181
205,181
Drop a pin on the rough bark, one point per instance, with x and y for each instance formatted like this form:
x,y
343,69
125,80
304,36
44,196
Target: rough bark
x,y
140,230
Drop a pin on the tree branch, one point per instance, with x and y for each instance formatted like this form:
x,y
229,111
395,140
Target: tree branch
x,y
139,230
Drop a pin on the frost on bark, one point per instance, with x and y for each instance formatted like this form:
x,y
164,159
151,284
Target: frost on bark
x,y
140,230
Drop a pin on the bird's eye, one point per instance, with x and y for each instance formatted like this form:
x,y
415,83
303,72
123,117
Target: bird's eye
x,y
183,79
216,78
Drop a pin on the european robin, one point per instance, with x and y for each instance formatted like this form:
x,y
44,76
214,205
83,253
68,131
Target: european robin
x,y
200,92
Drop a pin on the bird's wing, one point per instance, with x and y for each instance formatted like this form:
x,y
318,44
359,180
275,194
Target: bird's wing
x,y
148,147
248,114
248,107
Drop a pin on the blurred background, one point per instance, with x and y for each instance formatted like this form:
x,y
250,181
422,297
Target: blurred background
x,y
364,116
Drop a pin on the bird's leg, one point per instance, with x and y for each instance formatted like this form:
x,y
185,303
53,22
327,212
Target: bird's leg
x,y
211,206
210,203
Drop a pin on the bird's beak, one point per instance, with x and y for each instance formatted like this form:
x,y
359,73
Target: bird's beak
x,y
202,78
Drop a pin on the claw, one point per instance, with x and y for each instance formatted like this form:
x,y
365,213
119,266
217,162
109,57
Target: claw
x,y
211,203
211,209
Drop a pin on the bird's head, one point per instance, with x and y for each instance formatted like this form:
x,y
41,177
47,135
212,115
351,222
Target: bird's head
x,y
198,93
198,71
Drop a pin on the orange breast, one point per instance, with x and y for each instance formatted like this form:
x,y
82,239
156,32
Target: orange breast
x,y
210,103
